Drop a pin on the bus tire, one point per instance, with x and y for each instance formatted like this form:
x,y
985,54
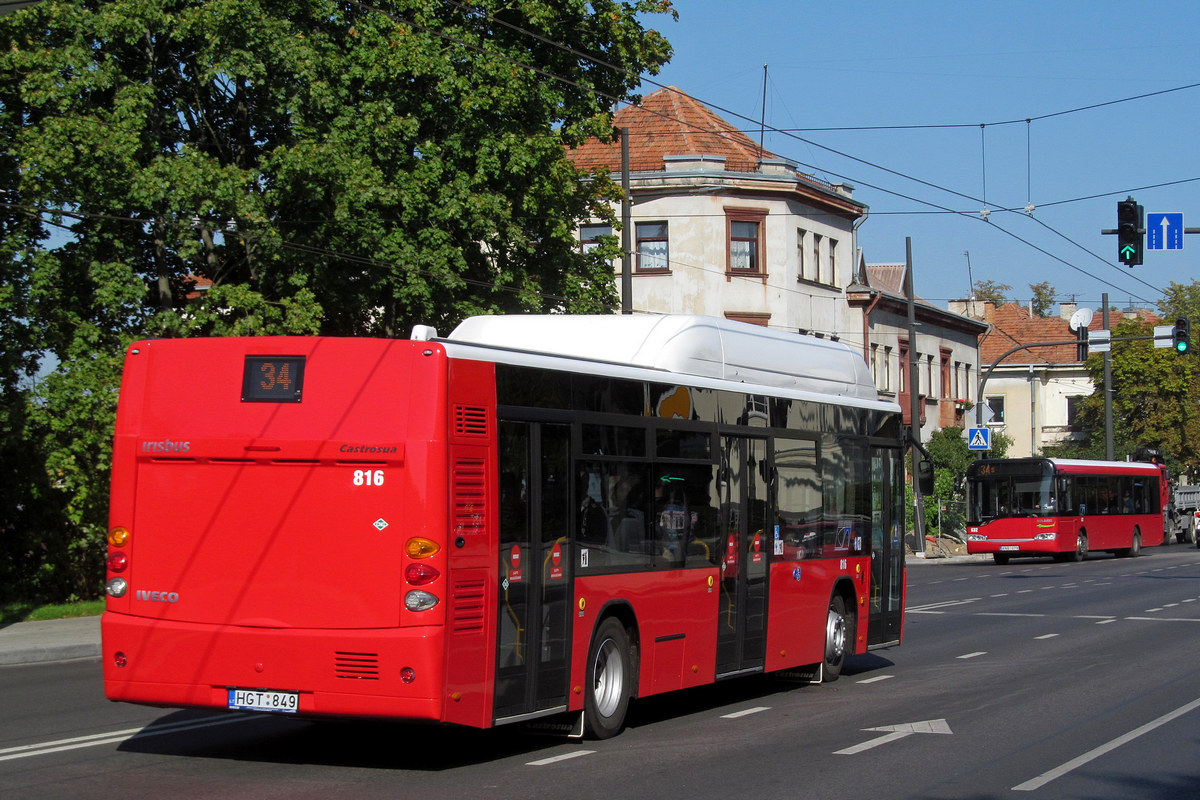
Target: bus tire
x,y
1135,546
609,680
1081,548
839,635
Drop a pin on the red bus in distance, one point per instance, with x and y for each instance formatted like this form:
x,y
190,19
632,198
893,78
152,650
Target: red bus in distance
x,y
535,518
1064,508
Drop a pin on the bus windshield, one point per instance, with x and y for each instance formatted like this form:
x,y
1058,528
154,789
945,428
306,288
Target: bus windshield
x,y
1004,496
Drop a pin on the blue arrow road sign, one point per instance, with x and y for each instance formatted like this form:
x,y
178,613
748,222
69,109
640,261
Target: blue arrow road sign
x,y
979,438
1164,231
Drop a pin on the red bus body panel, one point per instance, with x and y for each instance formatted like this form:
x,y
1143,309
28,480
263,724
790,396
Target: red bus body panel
x,y
267,539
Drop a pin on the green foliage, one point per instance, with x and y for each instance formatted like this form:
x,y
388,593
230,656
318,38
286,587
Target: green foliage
x,y
1043,298
244,167
1155,399
991,291
950,455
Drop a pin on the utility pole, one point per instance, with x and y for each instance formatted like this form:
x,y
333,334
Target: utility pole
x,y
626,225
914,397
1108,421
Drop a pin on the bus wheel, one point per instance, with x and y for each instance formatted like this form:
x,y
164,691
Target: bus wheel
x,y
1081,548
609,672
839,634
1000,558
1135,549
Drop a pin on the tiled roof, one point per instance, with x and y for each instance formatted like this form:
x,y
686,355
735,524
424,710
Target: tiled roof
x,y
670,123
1015,325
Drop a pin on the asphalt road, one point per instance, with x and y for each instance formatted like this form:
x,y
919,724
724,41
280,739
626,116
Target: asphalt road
x,y
1033,680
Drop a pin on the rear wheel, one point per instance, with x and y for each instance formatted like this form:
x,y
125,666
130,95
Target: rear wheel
x,y
1135,548
839,634
609,680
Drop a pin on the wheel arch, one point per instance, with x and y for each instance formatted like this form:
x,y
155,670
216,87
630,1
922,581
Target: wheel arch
x,y
622,610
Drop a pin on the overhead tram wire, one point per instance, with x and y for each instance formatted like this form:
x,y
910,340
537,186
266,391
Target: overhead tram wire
x,y
730,112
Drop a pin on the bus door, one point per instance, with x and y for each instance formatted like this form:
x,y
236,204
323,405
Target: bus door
x,y
887,547
532,669
742,621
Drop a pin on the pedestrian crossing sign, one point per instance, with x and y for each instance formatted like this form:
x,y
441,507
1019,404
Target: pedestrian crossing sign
x,y
979,438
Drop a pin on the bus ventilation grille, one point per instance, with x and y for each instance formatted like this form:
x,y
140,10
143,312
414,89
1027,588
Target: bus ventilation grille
x,y
467,606
356,666
470,421
468,498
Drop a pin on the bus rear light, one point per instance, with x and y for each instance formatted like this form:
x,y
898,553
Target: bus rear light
x,y
408,675
420,600
117,562
116,587
420,547
119,659
118,536
420,574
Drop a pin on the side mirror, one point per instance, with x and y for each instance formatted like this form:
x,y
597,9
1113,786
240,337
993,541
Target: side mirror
x,y
925,476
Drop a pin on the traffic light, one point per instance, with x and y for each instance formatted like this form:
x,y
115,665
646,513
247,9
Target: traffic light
x,y
1081,343
1129,232
1183,335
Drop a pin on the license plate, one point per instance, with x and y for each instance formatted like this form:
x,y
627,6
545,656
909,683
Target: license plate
x,y
1009,547
257,700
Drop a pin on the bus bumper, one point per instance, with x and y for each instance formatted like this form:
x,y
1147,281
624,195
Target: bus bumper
x,y
393,673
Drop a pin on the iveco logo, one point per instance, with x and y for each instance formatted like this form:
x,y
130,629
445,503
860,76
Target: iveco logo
x,y
166,446
158,597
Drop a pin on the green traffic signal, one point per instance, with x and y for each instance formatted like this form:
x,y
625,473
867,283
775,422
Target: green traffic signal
x,y
1130,239
1183,335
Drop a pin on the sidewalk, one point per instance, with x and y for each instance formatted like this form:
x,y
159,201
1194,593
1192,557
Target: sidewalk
x,y
52,640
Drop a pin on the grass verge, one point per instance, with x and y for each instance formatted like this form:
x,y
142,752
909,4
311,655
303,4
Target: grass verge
x,y
28,612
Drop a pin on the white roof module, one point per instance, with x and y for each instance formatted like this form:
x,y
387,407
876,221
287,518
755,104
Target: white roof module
x,y
700,346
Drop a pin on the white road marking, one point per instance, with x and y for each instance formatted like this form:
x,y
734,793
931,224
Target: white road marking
x,y
746,712
1075,763
541,762
112,737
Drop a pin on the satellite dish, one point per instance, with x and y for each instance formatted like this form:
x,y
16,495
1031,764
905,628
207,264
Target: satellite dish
x,y
1081,319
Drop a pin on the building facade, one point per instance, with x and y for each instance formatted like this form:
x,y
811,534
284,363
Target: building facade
x,y
724,228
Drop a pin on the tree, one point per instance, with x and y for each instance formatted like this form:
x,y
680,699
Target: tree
x,y
1154,402
950,455
242,166
1043,298
991,292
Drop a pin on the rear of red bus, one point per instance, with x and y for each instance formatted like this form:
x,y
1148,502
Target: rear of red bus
x,y
278,529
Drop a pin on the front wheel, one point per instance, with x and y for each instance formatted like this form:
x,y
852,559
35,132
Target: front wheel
x,y
1081,548
839,635
609,680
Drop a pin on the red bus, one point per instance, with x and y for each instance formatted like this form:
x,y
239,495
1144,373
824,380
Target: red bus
x,y
1064,508
533,517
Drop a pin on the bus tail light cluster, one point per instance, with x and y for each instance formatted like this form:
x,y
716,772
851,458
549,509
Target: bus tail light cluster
x,y
118,562
420,573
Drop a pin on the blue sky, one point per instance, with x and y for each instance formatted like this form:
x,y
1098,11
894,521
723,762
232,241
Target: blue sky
x,y
901,66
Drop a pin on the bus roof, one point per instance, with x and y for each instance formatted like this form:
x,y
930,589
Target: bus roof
x,y
707,348
1063,465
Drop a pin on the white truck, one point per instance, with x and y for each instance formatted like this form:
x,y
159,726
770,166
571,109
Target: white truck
x,y
1187,514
